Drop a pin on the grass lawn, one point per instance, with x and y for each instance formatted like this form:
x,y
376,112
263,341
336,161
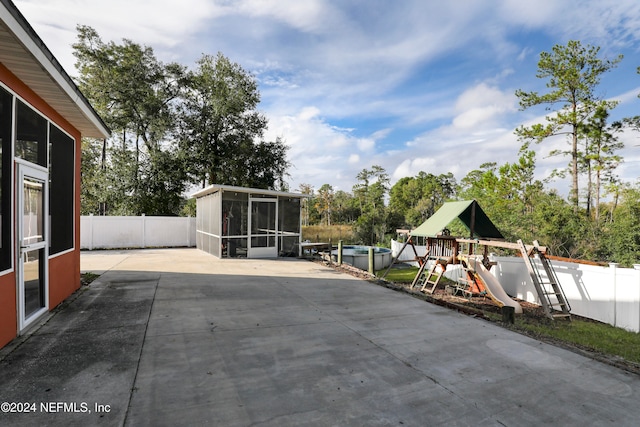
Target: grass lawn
x,y
597,336
399,275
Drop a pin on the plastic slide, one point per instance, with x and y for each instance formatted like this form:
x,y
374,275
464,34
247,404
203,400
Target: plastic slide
x,y
493,287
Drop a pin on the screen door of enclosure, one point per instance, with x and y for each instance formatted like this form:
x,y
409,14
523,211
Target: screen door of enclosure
x,y
262,228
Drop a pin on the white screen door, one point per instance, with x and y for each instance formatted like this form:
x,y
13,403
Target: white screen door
x,y
32,244
262,226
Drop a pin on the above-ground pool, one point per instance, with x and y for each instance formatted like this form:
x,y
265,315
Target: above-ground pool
x,y
358,256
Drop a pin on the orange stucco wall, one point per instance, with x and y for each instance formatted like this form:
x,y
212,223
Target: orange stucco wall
x,y
64,277
8,311
64,270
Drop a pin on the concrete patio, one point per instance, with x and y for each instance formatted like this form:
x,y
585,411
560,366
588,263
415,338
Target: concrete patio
x,y
178,337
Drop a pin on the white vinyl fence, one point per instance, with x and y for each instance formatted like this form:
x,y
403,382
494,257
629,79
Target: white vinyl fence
x,y
609,294
115,232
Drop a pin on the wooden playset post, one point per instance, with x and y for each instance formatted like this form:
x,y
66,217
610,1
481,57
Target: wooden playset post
x,y
456,250
472,226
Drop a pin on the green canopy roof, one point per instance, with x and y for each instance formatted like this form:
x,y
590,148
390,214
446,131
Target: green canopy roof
x,y
468,211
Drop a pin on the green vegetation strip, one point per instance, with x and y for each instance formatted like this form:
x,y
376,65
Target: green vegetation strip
x,y
399,275
332,233
87,278
587,334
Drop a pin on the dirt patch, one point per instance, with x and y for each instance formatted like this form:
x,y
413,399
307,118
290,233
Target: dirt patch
x,y
483,307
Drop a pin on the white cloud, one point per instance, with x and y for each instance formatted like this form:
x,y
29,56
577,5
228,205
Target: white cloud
x,y
308,113
308,16
530,14
156,22
320,152
475,117
595,22
161,24
481,106
409,85
366,144
381,134
411,167
481,114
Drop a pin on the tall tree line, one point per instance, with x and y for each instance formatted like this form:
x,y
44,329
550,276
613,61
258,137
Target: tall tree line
x,y
172,129
519,205
586,226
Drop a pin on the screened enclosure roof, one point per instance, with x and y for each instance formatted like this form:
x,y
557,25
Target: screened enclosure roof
x,y
215,188
468,211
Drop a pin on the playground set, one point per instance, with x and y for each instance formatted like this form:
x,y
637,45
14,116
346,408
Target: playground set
x,y
473,264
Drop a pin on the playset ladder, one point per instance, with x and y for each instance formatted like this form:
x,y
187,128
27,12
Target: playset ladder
x,y
420,276
429,278
554,302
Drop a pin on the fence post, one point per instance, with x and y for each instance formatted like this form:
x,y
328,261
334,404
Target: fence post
x,y
637,268
189,231
339,252
144,231
614,272
90,232
371,261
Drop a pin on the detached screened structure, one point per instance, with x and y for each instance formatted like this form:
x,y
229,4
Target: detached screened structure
x,y
238,222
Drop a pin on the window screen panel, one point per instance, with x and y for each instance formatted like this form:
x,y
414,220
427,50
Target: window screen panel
x,y
6,110
31,135
61,190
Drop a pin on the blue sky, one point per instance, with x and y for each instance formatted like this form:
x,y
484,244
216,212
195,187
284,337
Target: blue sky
x,y
410,85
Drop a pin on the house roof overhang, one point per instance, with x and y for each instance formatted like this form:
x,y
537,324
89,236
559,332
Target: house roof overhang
x,y
24,54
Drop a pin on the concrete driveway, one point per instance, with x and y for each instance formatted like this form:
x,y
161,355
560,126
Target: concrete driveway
x,y
178,337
